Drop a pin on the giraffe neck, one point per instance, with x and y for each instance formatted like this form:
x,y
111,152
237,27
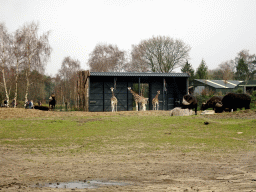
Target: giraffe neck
x,y
135,95
133,92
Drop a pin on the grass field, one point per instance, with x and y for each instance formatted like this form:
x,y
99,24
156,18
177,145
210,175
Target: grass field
x,y
119,134
112,135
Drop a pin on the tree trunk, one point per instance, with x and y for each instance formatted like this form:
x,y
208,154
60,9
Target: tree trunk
x,y
27,75
16,86
5,88
26,94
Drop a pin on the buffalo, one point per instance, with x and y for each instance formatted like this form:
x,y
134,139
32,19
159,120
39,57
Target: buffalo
x,y
189,102
232,101
52,102
215,103
43,108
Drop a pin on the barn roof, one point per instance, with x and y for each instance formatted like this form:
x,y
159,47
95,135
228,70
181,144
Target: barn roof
x,y
219,84
250,83
135,74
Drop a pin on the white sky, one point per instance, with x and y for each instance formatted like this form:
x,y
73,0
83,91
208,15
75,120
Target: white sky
x,y
216,30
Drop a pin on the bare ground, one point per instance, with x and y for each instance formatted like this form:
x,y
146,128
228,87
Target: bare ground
x,y
161,171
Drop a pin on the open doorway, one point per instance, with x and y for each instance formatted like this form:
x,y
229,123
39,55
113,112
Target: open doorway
x,y
143,90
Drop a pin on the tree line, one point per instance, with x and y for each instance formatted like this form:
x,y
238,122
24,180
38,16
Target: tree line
x,y
242,67
24,55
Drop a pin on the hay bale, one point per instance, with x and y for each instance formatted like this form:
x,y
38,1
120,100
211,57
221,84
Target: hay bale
x,y
208,112
177,111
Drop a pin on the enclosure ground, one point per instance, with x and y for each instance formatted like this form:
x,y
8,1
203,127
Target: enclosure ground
x,y
21,170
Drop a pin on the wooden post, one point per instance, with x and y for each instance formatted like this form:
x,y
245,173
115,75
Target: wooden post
x,y
82,90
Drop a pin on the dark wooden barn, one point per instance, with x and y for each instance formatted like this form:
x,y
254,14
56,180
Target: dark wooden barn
x,y
171,85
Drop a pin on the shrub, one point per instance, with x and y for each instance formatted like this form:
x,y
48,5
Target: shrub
x,y
239,91
253,100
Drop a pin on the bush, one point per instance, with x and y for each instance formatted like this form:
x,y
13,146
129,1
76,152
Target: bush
x,y
253,100
201,99
239,91
254,94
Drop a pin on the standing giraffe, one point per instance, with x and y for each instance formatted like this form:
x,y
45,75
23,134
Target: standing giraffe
x,y
113,101
139,99
155,101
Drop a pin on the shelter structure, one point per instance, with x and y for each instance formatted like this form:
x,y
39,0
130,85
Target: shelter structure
x,y
216,86
248,86
172,86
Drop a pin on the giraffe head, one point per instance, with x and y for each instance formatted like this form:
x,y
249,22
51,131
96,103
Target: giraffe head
x,y
129,88
112,89
158,92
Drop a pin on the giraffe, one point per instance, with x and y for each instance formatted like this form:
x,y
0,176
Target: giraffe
x,y
139,99
113,101
144,102
155,101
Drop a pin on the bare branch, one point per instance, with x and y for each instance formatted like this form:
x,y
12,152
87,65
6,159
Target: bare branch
x,y
159,54
106,58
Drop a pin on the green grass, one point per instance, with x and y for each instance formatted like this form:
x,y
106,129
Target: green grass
x,y
129,134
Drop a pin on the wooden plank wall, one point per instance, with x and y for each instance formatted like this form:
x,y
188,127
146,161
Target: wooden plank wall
x,y
82,90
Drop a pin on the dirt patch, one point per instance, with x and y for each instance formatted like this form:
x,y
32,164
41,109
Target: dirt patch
x,y
156,171
160,171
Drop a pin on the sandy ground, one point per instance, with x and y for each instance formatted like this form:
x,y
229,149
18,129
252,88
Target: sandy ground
x,y
161,171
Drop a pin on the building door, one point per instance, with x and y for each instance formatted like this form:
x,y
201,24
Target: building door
x,y
143,90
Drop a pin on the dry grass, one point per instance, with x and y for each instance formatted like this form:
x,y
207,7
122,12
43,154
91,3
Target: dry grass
x,y
14,113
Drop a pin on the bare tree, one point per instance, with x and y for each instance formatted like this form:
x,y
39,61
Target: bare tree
x,y
159,54
18,58
137,63
5,55
227,70
68,74
106,58
36,50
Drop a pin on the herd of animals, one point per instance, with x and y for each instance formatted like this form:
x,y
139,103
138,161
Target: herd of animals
x,y
230,102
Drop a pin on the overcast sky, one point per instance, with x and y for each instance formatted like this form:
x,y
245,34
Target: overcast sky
x,y
216,30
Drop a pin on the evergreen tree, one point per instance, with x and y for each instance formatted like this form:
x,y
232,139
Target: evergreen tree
x,y
187,68
201,72
242,71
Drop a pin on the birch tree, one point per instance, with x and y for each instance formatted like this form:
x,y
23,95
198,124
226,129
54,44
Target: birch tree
x,y
18,59
5,55
36,49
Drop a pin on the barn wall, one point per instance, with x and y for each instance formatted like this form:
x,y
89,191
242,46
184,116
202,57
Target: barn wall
x,y
176,89
172,89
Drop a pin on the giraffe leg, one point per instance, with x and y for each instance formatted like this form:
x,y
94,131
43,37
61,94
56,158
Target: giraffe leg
x,y
137,107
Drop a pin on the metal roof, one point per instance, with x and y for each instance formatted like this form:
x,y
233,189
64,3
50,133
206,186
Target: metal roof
x,y
220,84
134,74
250,83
